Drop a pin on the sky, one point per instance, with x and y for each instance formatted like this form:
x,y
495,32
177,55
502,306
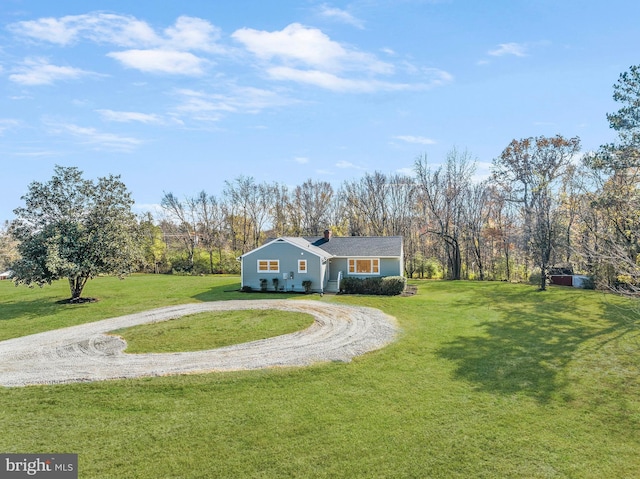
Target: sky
x,y
183,96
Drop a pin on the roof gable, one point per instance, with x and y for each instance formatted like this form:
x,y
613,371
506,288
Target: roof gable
x,y
297,242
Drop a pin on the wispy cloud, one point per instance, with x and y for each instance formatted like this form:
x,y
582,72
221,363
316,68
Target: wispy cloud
x,y
420,140
348,165
7,124
168,51
187,33
95,138
340,15
161,61
129,116
208,106
516,49
301,160
38,71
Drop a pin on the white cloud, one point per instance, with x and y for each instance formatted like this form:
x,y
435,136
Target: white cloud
x,y
212,106
7,124
191,33
161,61
168,51
321,79
95,138
99,27
341,16
38,71
129,116
306,46
516,49
348,165
188,33
308,56
420,140
330,81
301,159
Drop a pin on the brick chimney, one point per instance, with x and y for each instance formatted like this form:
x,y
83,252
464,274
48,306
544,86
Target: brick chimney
x,y
327,235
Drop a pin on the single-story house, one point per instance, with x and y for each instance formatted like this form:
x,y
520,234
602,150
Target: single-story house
x,y
323,261
5,275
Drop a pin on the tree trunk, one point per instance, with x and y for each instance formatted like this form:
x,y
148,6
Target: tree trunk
x,y
76,285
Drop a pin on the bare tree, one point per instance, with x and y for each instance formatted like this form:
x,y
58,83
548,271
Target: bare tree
x,y
366,201
210,222
476,211
252,204
312,203
181,224
530,171
281,211
443,192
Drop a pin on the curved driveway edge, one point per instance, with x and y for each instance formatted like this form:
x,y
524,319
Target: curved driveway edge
x,y
86,353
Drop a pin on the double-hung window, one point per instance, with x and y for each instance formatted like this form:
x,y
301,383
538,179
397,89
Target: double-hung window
x,y
268,266
364,266
302,266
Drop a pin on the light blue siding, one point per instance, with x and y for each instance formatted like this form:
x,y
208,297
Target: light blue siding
x,y
288,277
388,267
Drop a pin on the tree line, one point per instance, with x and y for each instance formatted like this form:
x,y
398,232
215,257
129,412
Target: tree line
x,y
546,205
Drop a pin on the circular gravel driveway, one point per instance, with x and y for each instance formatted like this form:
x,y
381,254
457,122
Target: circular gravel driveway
x,y
86,353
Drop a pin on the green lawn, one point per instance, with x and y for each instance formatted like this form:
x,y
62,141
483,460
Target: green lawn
x,y
197,332
486,380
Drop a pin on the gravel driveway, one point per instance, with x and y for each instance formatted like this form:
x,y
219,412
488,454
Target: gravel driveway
x,y
85,353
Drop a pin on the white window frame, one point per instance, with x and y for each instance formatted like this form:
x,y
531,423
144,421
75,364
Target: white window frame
x,y
373,264
306,266
270,263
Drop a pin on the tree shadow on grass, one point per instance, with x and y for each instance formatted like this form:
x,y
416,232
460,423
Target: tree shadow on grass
x,y
29,309
528,347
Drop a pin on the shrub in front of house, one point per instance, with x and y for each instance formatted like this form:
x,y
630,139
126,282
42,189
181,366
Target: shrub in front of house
x,y
393,285
388,286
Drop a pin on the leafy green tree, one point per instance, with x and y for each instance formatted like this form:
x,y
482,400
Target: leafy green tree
x,y
615,170
74,228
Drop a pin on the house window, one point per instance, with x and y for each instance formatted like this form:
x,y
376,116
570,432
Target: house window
x,y
364,266
268,266
302,266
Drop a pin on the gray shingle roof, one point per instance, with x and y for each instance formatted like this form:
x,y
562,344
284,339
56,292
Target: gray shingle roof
x,y
380,246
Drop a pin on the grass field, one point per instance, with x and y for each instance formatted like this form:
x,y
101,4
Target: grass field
x,y
486,380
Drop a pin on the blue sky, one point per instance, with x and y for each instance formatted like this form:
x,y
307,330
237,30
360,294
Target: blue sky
x,y
179,96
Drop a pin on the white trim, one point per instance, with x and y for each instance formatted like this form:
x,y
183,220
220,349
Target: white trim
x,y
309,248
268,270
355,264
306,266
